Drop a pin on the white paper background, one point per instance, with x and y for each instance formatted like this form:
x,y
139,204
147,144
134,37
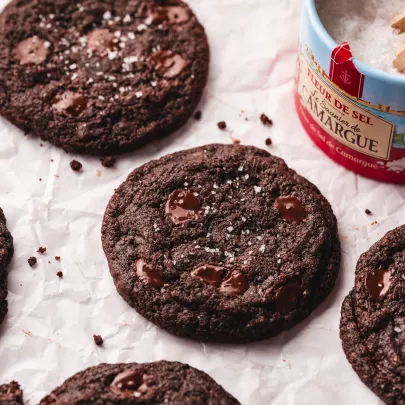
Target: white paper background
x,y
47,335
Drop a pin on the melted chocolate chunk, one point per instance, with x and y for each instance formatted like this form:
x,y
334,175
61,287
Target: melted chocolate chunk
x,y
182,206
31,51
168,64
378,282
148,274
213,275
100,40
235,283
70,102
129,380
287,297
291,209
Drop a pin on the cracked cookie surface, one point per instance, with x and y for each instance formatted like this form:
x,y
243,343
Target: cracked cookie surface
x,y
372,325
221,243
101,77
156,383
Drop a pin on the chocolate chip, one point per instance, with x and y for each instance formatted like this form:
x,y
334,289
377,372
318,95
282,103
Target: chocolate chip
x,y
75,165
268,141
108,161
59,274
69,102
168,64
98,340
221,125
32,261
291,209
41,250
198,115
149,274
266,120
368,212
182,206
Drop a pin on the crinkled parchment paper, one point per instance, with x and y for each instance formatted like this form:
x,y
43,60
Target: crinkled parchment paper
x,y
48,334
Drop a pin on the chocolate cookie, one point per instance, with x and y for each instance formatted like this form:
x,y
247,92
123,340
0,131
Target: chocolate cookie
x,y
151,383
11,394
101,77
6,253
372,326
221,243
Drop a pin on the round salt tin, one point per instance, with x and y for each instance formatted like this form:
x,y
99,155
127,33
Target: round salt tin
x,y
353,112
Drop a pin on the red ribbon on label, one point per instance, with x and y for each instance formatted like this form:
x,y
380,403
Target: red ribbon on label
x,y
343,71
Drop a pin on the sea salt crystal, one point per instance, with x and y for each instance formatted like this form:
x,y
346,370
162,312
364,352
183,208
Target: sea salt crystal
x,y
366,25
397,329
107,15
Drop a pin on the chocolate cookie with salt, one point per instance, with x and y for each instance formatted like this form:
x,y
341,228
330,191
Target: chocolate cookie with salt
x,y
101,77
11,394
143,384
372,325
221,243
6,253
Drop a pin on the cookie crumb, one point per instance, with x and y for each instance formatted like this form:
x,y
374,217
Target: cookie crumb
x,y
374,223
368,212
98,340
108,161
268,141
59,274
236,141
32,261
57,258
75,165
221,125
266,120
41,250
198,115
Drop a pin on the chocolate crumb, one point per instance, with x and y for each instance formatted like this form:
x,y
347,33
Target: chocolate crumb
x,y
98,340
368,212
59,274
108,161
75,165
221,125
32,261
266,120
268,141
41,250
236,141
57,258
198,115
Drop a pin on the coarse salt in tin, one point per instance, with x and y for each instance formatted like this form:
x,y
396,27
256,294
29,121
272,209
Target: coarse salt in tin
x,y
353,111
